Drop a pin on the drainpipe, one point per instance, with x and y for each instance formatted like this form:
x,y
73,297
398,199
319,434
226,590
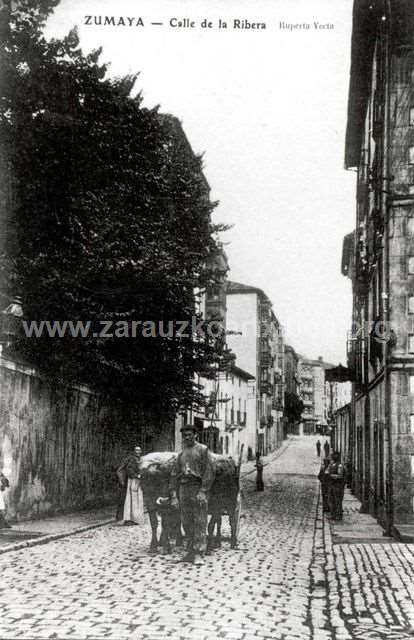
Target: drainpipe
x,y
386,298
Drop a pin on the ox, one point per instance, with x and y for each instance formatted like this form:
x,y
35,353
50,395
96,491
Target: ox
x,y
224,499
155,479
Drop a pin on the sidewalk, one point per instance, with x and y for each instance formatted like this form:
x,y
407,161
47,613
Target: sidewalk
x,y
32,532
356,527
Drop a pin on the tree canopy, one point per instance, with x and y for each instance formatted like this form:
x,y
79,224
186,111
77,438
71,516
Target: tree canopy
x,y
110,219
293,407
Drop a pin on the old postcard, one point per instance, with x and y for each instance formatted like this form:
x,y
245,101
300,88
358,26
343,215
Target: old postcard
x,y
206,322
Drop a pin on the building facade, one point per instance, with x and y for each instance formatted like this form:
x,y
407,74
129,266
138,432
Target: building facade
x,y
292,390
312,388
228,425
255,336
379,258
308,424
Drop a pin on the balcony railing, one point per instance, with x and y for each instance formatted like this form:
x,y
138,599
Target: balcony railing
x,y
266,387
265,358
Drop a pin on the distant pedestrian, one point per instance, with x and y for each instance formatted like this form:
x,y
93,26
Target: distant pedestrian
x,y
336,475
129,474
259,473
324,480
318,448
326,449
4,484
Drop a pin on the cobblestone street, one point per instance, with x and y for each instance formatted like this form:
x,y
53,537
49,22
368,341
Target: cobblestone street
x,y
287,580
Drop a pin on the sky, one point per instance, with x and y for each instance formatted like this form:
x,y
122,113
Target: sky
x,y
267,108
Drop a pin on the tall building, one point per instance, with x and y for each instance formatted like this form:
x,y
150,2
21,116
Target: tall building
x,y
292,391
255,336
292,378
312,374
320,398
379,258
308,424
227,421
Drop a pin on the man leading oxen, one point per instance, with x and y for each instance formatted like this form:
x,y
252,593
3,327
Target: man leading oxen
x,y
163,479
192,477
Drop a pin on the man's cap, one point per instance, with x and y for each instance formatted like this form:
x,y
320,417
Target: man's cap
x,y
188,427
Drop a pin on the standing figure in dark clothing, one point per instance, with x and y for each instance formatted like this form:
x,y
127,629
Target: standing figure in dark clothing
x,y
259,473
129,474
318,449
336,474
324,480
192,477
326,449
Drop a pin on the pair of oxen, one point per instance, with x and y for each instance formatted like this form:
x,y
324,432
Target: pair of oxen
x,y
224,498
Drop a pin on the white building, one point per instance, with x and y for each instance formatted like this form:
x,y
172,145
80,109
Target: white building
x,y
255,336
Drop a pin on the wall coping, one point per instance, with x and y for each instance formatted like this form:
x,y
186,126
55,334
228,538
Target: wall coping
x,y
18,367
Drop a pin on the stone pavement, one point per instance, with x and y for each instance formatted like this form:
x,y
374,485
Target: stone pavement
x,y
28,533
287,580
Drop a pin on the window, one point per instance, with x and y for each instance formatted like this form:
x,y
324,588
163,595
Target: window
x,y
411,265
410,304
410,155
412,384
411,346
411,117
412,424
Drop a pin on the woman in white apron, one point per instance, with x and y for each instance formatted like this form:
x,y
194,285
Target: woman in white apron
x,y
4,484
134,502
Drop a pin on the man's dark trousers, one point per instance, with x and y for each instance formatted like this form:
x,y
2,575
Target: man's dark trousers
x,y
193,516
336,496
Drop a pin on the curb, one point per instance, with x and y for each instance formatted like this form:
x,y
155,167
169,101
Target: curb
x,y
17,546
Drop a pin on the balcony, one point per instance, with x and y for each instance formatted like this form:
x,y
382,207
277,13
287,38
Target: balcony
x,y
266,387
241,418
264,328
277,404
265,359
356,351
277,376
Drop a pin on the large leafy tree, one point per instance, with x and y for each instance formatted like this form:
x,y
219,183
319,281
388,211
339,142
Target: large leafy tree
x,y
293,407
111,220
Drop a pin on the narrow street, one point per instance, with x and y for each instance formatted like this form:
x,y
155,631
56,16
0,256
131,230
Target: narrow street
x,y
287,580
